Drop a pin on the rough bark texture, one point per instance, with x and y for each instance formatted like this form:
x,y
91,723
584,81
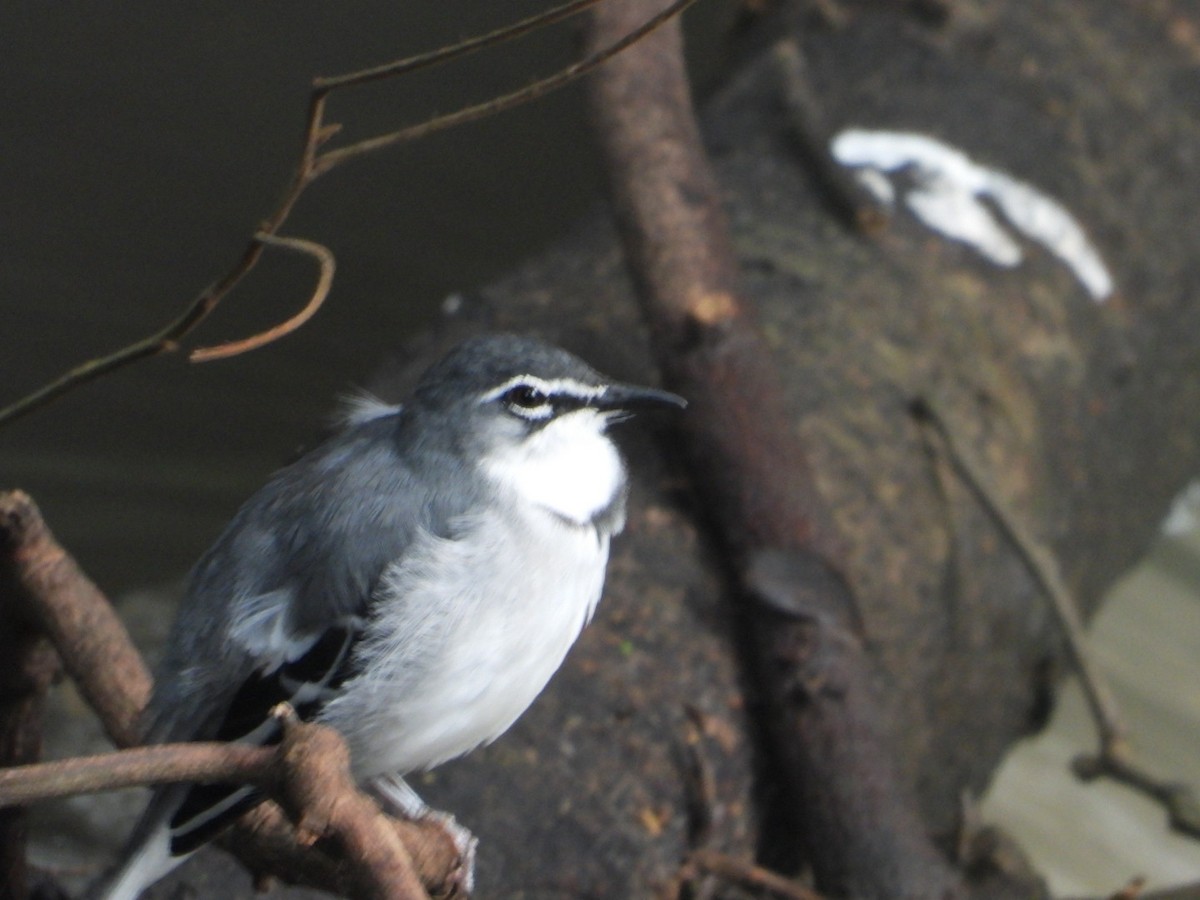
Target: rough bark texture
x,y
28,664
46,586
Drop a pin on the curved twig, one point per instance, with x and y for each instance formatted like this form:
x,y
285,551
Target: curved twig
x,y
325,260
1043,566
1114,758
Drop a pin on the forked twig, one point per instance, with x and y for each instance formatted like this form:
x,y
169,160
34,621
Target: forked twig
x,y
503,103
312,164
1114,758
325,260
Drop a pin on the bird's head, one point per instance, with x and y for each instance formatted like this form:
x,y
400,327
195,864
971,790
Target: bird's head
x,y
534,417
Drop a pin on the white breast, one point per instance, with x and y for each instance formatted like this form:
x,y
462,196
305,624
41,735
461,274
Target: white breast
x,y
464,640
569,466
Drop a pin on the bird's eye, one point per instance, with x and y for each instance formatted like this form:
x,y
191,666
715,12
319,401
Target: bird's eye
x,y
523,396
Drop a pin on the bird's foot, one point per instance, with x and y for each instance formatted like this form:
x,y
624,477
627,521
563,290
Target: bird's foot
x,y
397,798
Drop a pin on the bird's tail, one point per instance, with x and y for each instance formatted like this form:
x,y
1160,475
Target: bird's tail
x,y
180,819
147,855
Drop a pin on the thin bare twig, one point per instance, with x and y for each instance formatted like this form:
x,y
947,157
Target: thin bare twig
x,y
811,136
455,51
500,104
699,782
312,164
325,260
1178,799
1115,758
159,764
747,873
1114,739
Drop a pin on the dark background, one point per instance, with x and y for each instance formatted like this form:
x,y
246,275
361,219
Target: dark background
x,y
140,145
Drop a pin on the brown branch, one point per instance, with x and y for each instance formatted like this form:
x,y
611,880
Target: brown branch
x,y
1179,800
265,841
455,51
43,590
28,665
320,795
1114,735
309,773
51,590
137,767
324,259
750,875
1114,758
859,823
505,102
312,164
811,135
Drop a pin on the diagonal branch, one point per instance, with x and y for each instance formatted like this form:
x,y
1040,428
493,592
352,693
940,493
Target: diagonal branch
x,y
860,823
48,588
503,103
462,48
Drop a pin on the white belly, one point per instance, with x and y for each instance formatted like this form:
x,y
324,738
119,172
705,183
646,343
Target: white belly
x,y
465,641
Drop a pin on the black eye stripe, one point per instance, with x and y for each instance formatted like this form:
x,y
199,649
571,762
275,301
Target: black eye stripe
x,y
538,402
525,396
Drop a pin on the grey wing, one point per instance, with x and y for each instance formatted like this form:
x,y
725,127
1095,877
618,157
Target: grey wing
x,y
304,669
309,672
275,608
301,555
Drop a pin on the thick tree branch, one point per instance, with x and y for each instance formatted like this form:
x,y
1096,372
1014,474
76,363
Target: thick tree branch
x,y
27,667
50,590
320,796
861,829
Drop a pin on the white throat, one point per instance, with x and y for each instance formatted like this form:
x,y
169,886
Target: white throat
x,y
569,466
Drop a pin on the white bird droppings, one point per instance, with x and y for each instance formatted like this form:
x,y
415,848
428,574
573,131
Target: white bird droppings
x,y
948,195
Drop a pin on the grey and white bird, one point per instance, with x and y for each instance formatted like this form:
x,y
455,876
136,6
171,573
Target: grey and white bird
x,y
414,582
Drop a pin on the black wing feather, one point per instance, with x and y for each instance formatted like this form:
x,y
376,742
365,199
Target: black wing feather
x,y
306,682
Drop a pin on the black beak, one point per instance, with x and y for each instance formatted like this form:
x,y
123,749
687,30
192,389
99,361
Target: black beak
x,y
632,398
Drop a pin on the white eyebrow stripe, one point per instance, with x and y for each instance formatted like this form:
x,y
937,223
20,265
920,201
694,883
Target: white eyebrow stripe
x,y
549,387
